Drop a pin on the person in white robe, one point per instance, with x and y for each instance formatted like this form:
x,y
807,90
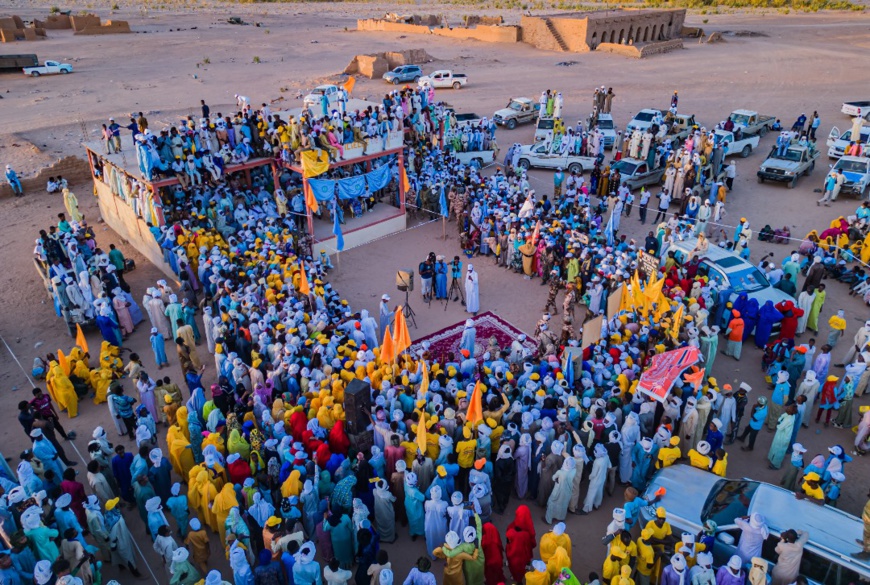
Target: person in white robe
x,y
472,291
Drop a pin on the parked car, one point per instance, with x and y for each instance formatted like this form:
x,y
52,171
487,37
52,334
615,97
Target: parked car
x,y
50,68
544,129
539,156
481,158
853,109
642,120
636,173
695,496
798,160
682,126
403,74
313,99
518,111
608,129
751,122
443,78
856,169
837,142
744,146
725,267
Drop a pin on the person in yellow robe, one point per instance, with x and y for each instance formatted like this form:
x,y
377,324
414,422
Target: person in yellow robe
x,y
292,486
560,560
194,489
100,380
538,575
62,390
224,502
181,417
207,494
668,455
700,457
554,539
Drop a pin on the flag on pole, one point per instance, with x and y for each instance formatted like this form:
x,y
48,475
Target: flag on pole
x,y
608,230
678,320
336,228
475,404
695,378
406,184
304,287
310,200
348,85
443,202
387,351
654,291
569,368
421,432
401,337
63,362
424,383
80,339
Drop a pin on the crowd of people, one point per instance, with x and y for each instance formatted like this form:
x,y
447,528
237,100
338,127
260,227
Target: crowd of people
x,y
262,453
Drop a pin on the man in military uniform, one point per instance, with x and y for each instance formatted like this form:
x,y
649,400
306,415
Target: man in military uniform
x,y
555,285
570,301
546,341
567,328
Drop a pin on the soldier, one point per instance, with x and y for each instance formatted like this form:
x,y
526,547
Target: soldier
x,y
570,300
546,341
555,285
545,318
567,329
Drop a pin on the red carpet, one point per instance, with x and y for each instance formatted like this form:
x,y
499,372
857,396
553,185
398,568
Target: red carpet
x,y
487,324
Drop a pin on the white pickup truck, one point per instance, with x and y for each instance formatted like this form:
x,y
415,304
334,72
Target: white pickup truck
x,y
751,122
50,68
539,156
743,147
838,143
443,78
478,158
853,109
856,169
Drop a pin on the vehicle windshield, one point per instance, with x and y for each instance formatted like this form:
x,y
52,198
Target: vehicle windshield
x,y
851,166
545,124
516,106
748,279
318,91
644,116
790,154
624,167
605,124
728,500
740,119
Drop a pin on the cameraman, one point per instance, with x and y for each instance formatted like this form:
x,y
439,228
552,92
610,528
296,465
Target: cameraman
x,y
456,278
427,274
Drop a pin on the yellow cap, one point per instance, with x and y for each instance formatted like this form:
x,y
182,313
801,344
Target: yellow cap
x,y
110,505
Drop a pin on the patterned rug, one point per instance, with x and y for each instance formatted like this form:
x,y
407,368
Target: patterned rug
x,y
487,324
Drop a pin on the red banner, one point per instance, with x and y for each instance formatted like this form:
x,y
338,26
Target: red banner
x,y
666,368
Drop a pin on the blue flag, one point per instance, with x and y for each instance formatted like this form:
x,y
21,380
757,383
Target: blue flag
x,y
336,229
608,230
569,369
444,210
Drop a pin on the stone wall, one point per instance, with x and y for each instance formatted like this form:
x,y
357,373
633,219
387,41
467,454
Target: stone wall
x,y
375,65
487,34
110,27
71,168
84,21
54,22
643,50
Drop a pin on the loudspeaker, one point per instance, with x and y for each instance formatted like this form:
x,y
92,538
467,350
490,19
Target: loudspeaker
x,y
357,404
405,280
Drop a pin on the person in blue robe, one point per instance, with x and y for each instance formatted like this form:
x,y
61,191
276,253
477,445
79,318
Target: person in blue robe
x,y
750,314
159,348
469,335
767,317
109,328
179,508
159,473
440,278
414,506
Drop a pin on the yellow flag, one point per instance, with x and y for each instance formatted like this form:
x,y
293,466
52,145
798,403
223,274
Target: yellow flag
x,y
654,291
421,432
63,362
387,353
424,384
475,406
678,320
80,339
406,184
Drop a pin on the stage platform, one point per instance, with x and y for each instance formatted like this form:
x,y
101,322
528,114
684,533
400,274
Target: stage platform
x,y
487,324
382,221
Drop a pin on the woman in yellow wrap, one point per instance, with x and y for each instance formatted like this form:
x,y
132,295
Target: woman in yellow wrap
x,y
207,494
100,380
223,503
237,444
61,389
292,486
194,489
181,417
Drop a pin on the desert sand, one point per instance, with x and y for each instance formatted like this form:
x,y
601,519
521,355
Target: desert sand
x,y
788,64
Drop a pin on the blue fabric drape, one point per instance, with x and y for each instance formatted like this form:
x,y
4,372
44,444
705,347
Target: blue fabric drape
x,y
352,187
323,189
379,178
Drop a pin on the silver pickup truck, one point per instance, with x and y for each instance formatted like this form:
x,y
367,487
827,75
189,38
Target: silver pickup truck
x,y
798,160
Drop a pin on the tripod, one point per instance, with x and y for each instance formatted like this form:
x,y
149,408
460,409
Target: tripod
x,y
408,311
454,287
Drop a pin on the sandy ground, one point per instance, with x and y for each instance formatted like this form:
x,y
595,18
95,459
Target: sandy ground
x,y
799,65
